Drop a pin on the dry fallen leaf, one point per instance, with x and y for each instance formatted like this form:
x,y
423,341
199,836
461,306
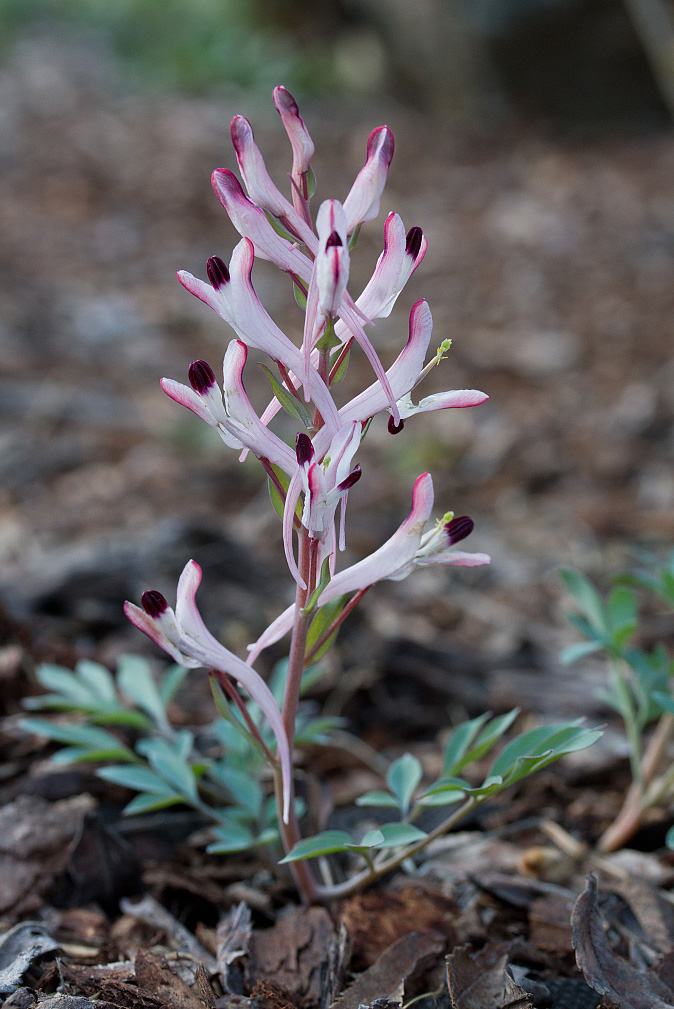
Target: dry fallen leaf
x,y
609,974
383,979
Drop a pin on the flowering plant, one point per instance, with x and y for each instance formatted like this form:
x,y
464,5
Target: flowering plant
x,y
310,482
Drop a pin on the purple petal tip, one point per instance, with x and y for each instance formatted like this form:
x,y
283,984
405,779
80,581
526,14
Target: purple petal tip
x,y
304,450
153,603
217,271
394,428
458,529
353,478
414,239
201,376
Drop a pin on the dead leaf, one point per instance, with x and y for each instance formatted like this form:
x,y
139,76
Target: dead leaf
x,y
477,980
384,977
35,840
655,915
550,924
20,948
232,936
151,912
292,954
606,972
155,976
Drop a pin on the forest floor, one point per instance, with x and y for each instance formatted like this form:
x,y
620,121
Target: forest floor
x,y
550,265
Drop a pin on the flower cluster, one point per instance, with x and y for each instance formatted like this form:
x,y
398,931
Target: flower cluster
x,y
312,478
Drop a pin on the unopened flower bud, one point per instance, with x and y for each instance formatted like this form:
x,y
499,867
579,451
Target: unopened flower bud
x,y
217,271
201,376
153,603
458,529
304,450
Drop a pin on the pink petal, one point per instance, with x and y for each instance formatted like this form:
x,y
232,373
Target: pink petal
x,y
187,397
151,626
455,558
362,203
402,374
250,221
300,141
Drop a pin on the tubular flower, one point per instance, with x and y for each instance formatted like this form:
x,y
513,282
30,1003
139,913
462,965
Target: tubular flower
x,y
409,547
261,189
300,141
231,294
362,203
326,482
235,419
183,634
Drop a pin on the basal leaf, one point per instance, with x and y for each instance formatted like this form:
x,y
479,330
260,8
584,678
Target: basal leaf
x,y
403,777
586,598
377,799
98,679
147,803
459,741
579,651
488,738
140,778
324,843
397,834
135,679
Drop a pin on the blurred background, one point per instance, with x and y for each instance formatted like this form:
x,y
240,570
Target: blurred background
x,y
534,146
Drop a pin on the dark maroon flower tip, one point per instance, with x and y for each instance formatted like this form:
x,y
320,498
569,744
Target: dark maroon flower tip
x,y
394,428
458,529
413,245
218,274
153,603
201,376
353,477
333,240
304,450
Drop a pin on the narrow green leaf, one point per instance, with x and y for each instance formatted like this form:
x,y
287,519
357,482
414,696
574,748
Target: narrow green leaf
x,y
488,738
98,679
91,754
403,777
586,598
323,582
300,297
292,406
147,803
142,779
579,651
343,367
62,681
397,834
233,837
245,790
459,741
324,843
324,618
225,711
170,683
377,799
135,679
622,608
170,766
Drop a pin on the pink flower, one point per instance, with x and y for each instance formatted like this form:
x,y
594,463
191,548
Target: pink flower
x,y
231,294
234,419
183,634
261,189
409,547
362,203
300,141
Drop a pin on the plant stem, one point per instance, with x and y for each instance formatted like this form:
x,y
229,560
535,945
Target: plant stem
x,y
639,796
290,832
350,606
631,727
349,886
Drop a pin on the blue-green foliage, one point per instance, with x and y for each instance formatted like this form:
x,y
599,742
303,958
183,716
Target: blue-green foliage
x,y
611,626
218,771
468,743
